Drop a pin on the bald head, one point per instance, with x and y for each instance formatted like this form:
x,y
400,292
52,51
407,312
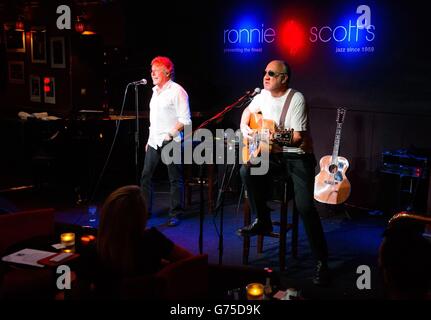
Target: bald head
x,y
276,78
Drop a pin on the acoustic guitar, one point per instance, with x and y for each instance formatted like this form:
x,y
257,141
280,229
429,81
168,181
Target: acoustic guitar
x,y
266,137
331,185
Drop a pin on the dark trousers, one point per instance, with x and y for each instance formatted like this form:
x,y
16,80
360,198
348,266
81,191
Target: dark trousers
x,y
300,169
175,172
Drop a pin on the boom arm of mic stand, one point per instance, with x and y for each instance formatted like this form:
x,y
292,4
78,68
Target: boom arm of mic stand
x,y
224,111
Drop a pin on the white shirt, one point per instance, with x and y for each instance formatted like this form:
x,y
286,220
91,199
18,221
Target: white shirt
x,y
167,106
271,108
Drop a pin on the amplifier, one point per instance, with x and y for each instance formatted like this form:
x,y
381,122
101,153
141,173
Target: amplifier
x,y
404,163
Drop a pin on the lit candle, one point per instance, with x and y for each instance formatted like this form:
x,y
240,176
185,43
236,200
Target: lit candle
x,y
85,240
255,291
68,239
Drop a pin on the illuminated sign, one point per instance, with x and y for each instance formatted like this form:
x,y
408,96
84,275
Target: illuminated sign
x,y
262,35
355,33
341,33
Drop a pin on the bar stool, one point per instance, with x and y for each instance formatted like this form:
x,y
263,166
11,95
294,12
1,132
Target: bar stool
x,y
283,224
192,179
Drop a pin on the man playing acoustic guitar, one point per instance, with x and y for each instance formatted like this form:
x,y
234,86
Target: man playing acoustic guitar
x,y
286,107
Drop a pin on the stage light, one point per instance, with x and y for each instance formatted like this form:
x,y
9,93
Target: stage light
x,y
292,38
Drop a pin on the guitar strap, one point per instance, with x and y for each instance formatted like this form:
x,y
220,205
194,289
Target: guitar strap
x,y
276,148
285,108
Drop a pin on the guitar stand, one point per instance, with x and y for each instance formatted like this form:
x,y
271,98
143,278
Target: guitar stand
x,y
346,212
338,208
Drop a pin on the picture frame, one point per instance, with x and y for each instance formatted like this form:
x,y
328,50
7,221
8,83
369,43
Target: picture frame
x,y
16,72
35,88
38,46
14,39
58,52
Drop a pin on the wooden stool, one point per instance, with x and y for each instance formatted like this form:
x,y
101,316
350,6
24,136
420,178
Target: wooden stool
x,y
281,235
190,181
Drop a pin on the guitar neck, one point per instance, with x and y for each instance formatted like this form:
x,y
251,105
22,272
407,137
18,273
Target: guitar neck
x,y
336,143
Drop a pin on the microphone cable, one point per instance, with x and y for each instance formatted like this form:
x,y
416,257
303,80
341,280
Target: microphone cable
x,y
114,139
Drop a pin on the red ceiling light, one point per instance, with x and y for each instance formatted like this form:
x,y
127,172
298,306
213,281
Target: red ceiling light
x,y
19,25
79,26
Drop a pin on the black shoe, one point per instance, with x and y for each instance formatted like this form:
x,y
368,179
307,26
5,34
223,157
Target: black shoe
x,y
322,275
257,227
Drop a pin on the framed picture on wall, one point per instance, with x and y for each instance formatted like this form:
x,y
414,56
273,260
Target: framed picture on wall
x,y
14,40
35,90
38,46
58,55
16,72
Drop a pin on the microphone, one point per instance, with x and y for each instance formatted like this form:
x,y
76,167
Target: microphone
x,y
255,92
142,81
248,97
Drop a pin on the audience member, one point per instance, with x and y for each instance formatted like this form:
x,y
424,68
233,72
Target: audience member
x,y
125,246
405,261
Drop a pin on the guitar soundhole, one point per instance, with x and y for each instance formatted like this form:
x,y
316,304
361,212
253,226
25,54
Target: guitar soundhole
x,y
333,168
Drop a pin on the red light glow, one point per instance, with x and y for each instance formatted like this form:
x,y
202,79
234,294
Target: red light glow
x,y
19,25
79,27
292,38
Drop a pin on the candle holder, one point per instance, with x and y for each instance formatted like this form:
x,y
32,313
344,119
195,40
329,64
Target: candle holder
x,y
67,239
254,291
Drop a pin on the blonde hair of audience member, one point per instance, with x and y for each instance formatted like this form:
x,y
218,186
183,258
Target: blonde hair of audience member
x,y
123,222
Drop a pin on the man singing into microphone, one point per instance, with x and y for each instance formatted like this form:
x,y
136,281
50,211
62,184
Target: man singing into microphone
x,y
169,113
296,160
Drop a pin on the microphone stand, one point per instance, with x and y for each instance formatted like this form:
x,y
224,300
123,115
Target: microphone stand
x,y
137,135
244,99
220,203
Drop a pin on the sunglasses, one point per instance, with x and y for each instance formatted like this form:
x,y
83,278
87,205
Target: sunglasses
x,y
272,74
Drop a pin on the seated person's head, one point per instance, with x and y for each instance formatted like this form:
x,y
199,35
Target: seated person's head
x,y
405,260
123,221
